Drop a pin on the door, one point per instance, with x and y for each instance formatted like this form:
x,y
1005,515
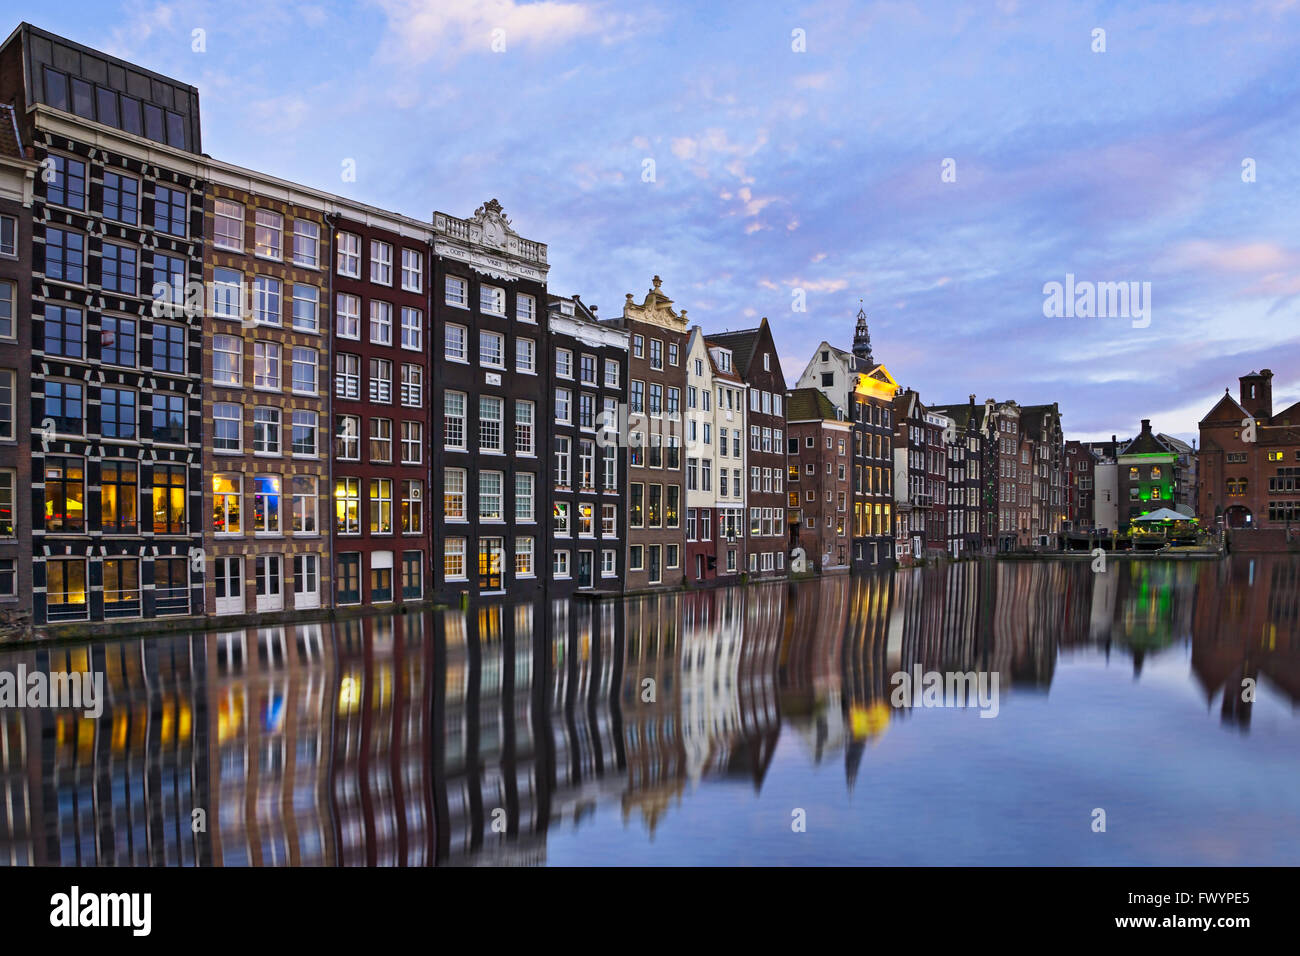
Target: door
x,y
584,569
269,571
653,562
491,559
306,581
229,574
699,567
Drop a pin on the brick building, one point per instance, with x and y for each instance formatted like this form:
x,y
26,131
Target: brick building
x,y
755,360
656,383
819,445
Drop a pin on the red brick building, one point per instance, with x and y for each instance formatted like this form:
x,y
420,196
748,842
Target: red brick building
x,y
819,480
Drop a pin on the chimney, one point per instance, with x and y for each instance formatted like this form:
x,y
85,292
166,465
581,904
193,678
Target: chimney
x,y
1146,426
1257,393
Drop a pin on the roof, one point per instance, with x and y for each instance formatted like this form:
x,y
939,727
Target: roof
x,y
742,345
806,404
11,144
1148,443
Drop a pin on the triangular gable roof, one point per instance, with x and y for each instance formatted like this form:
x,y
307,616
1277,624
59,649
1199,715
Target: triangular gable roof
x,y
1227,409
1147,443
746,344
806,404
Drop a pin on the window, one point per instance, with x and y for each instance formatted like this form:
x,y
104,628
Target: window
x,y
381,262
65,255
227,294
266,430
412,506
169,274
8,307
412,443
227,359
636,511
560,514
349,254
381,322
117,413
306,364
65,588
65,495
638,346
609,520
611,373
491,300
587,369
347,376
381,506
227,494
453,559
656,354
381,381
266,364
121,198
228,426
303,436
8,490
306,243
63,331
453,420
347,437
491,349
268,234
524,427
563,363
453,494
457,294
347,505
7,378
524,557
228,225
489,496
169,348
266,300
586,520
381,440
412,270
412,329
489,423
524,496
119,497
118,266
412,386
525,360
525,308
563,400
563,473
609,466
169,496
454,343
170,210
65,406
636,558
306,308
586,410
68,187
347,318
560,565
608,564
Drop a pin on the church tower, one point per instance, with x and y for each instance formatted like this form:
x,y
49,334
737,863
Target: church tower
x,y
862,339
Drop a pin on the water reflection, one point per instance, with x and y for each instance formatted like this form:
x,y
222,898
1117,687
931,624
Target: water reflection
x,y
471,737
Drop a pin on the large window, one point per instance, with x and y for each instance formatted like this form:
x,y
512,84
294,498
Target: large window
x,y
412,506
65,588
412,443
267,300
347,376
489,423
266,430
119,497
306,308
121,198
381,262
412,328
227,360
227,427
227,504
65,406
489,496
347,505
347,434
8,491
381,322
381,506
64,330
117,413
65,495
118,271
381,381
266,365
303,436
306,243
306,365
412,386
169,418
412,270
169,499
453,420
349,254
381,440
228,226
266,504
305,500
170,210
65,255
169,348
8,308
524,414
453,496
268,234
68,185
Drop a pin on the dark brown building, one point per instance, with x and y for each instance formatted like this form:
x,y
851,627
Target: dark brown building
x,y
18,173
820,487
656,385
382,426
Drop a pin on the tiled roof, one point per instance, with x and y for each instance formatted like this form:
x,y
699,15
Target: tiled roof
x,y
742,345
10,143
805,404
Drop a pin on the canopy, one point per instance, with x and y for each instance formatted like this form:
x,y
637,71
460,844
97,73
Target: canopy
x,y
1163,514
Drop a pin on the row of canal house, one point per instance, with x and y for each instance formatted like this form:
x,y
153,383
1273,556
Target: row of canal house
x,y
222,392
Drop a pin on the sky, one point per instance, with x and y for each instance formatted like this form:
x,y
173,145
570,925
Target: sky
x,y
937,164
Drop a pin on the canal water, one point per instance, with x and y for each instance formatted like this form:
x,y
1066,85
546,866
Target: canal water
x,y
759,725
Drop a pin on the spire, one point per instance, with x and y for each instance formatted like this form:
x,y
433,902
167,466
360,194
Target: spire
x,y
862,338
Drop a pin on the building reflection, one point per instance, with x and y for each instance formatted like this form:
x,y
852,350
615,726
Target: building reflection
x,y
465,737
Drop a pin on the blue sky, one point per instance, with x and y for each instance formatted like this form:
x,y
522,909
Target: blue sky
x,y
820,170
